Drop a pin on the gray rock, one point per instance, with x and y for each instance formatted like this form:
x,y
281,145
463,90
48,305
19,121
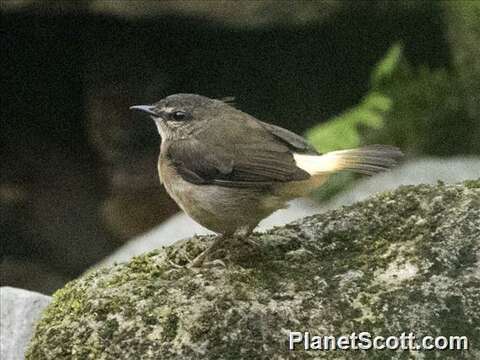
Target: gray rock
x,y
414,172
178,227
422,171
30,275
19,311
407,260
181,226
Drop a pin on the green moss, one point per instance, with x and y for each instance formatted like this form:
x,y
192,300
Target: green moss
x,y
340,271
170,328
472,184
109,329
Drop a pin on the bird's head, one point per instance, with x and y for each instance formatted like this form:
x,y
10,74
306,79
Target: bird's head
x,y
180,115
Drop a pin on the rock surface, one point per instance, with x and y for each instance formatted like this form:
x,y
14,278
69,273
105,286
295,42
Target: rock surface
x,y
414,172
19,311
30,275
181,226
407,260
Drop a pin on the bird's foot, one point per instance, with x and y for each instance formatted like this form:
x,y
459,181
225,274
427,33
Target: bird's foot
x,y
205,257
198,261
203,260
239,238
215,263
178,258
249,241
175,265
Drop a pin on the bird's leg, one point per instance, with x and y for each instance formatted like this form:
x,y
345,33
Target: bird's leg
x,y
240,235
200,259
243,235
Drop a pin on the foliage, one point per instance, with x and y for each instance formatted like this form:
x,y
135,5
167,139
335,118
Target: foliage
x,y
423,111
418,109
463,20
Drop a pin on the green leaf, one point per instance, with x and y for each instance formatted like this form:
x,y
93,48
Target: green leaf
x,y
342,131
386,67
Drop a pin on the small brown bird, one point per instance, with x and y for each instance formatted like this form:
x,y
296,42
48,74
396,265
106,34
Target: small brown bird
x,y
228,171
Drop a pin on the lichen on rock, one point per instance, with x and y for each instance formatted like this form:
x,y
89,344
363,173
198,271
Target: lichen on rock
x,y
402,261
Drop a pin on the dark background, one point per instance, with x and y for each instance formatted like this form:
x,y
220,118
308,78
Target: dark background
x,y
78,170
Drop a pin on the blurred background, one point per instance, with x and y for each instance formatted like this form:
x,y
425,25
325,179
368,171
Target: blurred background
x,y
78,169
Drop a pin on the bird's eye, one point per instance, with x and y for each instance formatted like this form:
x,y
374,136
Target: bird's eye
x,y
179,115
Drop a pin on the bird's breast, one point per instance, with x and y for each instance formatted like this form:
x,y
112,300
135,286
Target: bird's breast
x,y
176,187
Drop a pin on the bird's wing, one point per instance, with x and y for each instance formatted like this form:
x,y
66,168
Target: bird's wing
x,y
294,141
246,156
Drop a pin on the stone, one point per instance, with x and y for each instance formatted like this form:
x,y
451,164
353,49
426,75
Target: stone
x,y
406,260
181,226
19,311
418,171
30,275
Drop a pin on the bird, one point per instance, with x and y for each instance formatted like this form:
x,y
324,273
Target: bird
x,y
228,170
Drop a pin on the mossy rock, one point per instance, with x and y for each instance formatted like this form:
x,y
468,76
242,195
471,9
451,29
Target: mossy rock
x,y
404,261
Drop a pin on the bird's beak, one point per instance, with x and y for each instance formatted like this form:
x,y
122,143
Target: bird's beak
x,y
149,109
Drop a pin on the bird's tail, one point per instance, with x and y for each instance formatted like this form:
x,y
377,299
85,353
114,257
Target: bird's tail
x,y
368,160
